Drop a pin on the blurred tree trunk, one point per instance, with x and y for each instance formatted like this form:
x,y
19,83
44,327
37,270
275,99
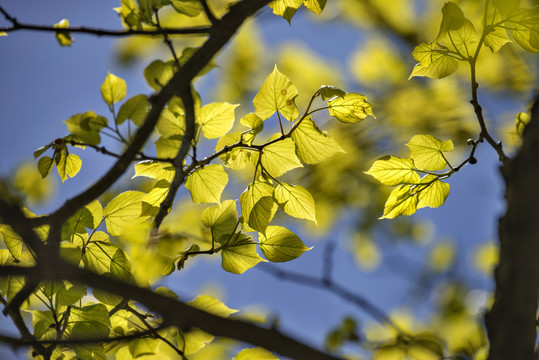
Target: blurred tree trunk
x,y
511,324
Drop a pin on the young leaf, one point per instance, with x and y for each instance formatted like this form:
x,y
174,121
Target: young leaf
x,y
90,351
216,119
285,8
350,108
98,255
312,145
280,157
432,192
159,73
44,166
167,148
212,305
316,6
401,201
86,126
63,37
433,62
257,205
236,158
124,210
12,240
193,340
296,201
143,347
279,244
113,89
390,170
135,109
239,255
153,199
155,170
276,94
89,216
328,92
170,124
69,165
496,38
255,353
207,184
221,219
190,8
521,121
427,152
253,121
526,32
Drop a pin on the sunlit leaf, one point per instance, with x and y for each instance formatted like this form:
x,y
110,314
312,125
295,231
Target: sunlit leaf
x,y
433,63
390,170
69,165
279,244
86,126
135,109
236,158
280,157
521,121
170,124
207,184
239,255
253,121
212,305
312,145
167,148
255,354
44,165
257,205
401,201
123,210
285,8
159,73
187,7
350,108
113,89
155,170
328,92
12,240
432,192
143,346
221,219
193,340
91,321
427,152
296,201
216,119
63,37
496,38
276,94
316,6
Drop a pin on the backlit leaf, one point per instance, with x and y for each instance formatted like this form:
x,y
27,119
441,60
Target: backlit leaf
x,y
89,322
167,148
63,37
276,94
44,165
12,240
221,219
433,63
236,158
86,126
285,8
280,157
207,184
312,145
296,201
113,89
212,305
496,38
401,201
390,170
239,255
99,254
193,340
350,108
216,119
170,124
255,354
316,6
124,210
159,73
432,192
69,165
155,170
279,244
253,121
135,109
328,92
521,121
143,346
187,7
427,152
257,205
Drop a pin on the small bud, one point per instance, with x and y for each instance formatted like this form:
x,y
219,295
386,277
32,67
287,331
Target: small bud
x,y
472,160
469,142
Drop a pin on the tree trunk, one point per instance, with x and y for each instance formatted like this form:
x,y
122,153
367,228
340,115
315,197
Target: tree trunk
x,y
511,324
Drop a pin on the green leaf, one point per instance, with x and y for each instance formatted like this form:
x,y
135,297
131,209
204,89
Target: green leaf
x,y
120,266
89,322
12,240
285,8
453,18
257,205
316,6
86,126
239,254
350,108
135,109
432,192
221,219
328,92
216,119
44,166
212,305
90,351
427,152
159,73
124,210
401,201
187,7
207,184
433,62
296,201
41,150
144,346
130,14
526,31
193,340
155,170
167,148
390,170
280,157
255,354
312,145
70,294
496,38
63,37
113,89
253,121
98,255
521,121
69,165
89,216
279,244
276,94
236,158
506,7
170,124
153,199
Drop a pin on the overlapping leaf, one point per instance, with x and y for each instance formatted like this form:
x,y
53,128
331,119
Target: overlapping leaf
x,y
427,152
296,201
390,170
279,244
207,184
350,108
276,94
312,145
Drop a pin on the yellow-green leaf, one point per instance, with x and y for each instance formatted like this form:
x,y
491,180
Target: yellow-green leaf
x,y
432,192
279,244
207,184
257,205
124,210
255,354
236,158
193,340
159,73
285,8
216,119
86,126
296,201
390,170
69,165
167,148
401,201
526,33
44,165
143,347
63,37
253,121
427,152
316,6
312,145
328,92
135,109
170,124
113,89
276,94
239,255
496,38
221,219
99,254
155,170
434,63
12,240
280,157
153,199
521,121
212,305
350,108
